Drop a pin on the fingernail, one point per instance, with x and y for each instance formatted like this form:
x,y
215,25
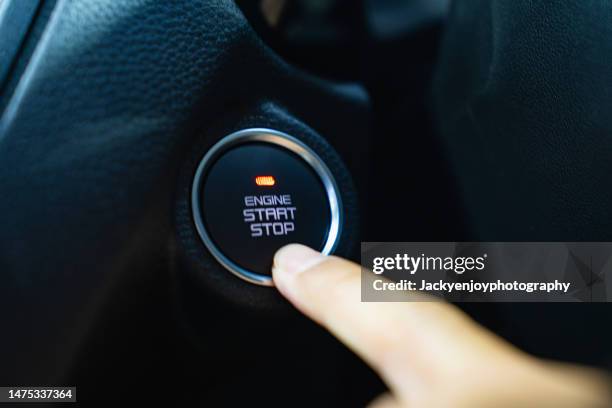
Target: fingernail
x,y
295,258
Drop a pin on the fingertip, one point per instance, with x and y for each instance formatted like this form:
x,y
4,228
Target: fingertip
x,y
290,261
295,258
384,401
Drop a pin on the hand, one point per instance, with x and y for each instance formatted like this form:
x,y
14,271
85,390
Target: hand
x,y
429,353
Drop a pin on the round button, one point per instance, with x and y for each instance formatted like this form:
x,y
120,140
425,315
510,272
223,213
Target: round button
x,y
257,190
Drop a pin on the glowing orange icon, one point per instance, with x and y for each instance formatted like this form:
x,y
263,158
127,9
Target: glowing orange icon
x,y
265,180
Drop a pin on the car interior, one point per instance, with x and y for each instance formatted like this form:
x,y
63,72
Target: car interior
x,y
435,120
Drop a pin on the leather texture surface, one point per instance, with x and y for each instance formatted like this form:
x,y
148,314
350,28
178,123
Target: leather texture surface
x,y
92,141
523,102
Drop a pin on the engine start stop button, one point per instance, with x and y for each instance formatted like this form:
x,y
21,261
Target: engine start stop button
x,y
257,190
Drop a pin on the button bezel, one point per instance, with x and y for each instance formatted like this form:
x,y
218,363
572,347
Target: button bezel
x,y
279,139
